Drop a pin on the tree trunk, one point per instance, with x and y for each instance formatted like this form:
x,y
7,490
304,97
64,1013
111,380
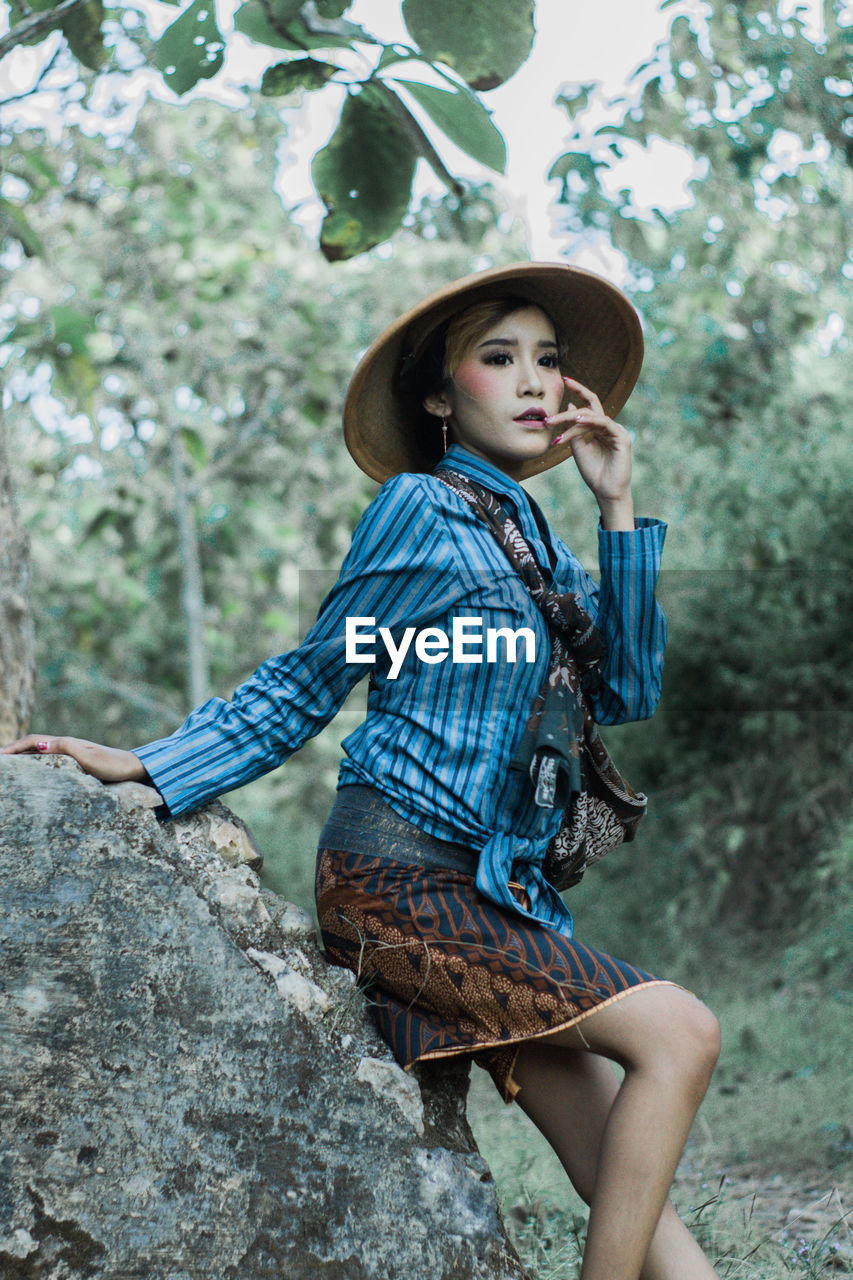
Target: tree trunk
x,y
17,657
192,590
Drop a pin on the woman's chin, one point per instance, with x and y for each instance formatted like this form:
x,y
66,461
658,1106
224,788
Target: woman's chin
x,y
535,445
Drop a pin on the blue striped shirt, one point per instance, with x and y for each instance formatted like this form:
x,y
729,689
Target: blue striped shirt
x,y
438,738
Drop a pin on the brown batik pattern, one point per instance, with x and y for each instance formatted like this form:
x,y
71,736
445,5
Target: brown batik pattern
x,y
447,971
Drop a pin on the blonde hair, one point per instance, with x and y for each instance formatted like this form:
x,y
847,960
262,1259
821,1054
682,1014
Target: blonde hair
x,y
469,326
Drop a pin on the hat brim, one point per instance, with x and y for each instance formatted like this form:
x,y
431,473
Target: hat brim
x,y
597,326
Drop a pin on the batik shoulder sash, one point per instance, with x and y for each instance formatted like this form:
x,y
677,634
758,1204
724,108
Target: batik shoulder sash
x,y
560,747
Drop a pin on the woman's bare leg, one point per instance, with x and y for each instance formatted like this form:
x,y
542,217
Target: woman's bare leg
x,y
568,1095
620,1144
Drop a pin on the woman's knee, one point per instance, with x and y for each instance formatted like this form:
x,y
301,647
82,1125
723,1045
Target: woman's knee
x,y
685,1051
701,1037
663,1029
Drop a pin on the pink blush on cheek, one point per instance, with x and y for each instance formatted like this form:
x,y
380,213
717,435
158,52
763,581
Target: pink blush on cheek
x,y
477,381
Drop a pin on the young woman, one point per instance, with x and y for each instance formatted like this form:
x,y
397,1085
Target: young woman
x,y
478,767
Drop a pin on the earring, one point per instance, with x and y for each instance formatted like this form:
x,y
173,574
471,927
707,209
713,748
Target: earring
x,y
444,430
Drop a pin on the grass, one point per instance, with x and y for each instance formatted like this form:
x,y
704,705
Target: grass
x,y
780,1092
546,1221
762,1184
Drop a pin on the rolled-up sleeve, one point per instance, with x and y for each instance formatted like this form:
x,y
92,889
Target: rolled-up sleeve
x,y
395,572
631,622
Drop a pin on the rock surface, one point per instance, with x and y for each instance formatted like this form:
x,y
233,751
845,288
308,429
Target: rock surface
x,y
187,1089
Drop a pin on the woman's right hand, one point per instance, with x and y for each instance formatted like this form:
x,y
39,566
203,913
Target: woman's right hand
x,y
110,764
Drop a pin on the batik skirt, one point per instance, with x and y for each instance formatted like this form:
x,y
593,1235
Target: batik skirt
x,y
445,970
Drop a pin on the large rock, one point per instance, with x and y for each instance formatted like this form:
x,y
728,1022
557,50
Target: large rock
x,y
187,1089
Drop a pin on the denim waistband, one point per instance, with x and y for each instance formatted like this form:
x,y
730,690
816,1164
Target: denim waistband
x,y
362,822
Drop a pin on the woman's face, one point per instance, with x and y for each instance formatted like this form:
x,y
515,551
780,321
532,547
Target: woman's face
x,y
503,389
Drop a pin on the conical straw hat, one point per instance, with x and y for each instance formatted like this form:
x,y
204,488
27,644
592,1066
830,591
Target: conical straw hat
x,y
597,327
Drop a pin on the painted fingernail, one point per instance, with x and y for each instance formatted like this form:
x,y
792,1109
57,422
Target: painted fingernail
x,y
42,746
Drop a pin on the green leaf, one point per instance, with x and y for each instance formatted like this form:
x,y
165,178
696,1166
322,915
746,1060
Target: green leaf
x,y
576,98
364,177
327,35
461,115
76,378
24,332
33,161
332,9
195,447
251,20
282,13
277,620
71,328
14,223
575,162
299,73
105,517
82,30
809,175
191,49
393,53
20,10
485,41
283,30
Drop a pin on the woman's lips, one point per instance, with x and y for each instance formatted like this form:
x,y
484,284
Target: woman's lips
x,y
532,415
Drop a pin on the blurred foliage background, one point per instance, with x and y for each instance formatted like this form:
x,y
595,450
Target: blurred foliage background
x,y
175,356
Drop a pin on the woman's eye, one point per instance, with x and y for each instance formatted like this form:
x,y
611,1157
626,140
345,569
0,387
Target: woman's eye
x,y
503,358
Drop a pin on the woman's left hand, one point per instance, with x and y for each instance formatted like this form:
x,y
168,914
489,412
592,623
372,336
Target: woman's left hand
x,y
601,447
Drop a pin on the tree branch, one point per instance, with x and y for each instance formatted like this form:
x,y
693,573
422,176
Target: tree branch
x,y
192,587
36,25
